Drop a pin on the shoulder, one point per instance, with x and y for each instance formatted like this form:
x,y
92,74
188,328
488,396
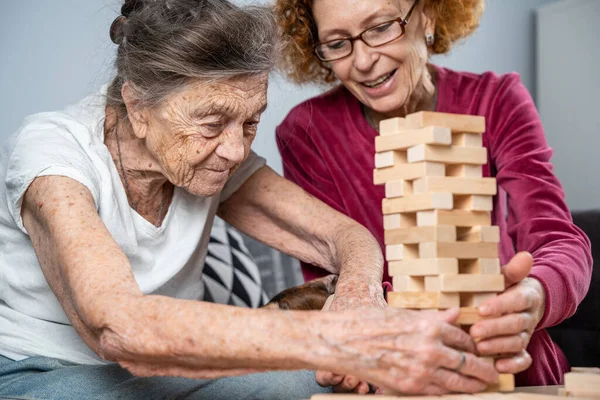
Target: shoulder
x,y
478,93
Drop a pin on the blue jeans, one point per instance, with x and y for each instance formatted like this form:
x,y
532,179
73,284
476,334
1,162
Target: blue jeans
x,y
52,379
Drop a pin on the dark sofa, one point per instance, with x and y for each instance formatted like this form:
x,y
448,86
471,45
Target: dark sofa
x,y
579,336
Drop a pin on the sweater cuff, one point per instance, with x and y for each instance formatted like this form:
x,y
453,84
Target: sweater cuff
x,y
555,294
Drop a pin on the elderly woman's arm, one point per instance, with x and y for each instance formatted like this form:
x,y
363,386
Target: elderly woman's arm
x,y
282,215
156,335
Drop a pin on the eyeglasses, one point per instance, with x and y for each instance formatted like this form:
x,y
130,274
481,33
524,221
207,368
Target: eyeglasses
x,y
375,36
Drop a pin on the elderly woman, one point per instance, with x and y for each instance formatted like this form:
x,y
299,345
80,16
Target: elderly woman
x,y
105,214
378,50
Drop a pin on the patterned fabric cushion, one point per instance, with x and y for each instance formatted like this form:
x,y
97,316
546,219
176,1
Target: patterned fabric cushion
x,y
230,273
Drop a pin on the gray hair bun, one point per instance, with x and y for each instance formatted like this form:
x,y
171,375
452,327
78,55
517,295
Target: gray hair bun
x,y
117,28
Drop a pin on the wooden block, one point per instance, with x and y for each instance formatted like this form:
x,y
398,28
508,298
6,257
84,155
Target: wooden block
x,y
586,370
487,234
395,221
460,250
447,155
466,186
407,172
474,299
453,217
418,202
391,126
390,158
468,316
464,283
467,139
411,137
423,267
397,252
404,283
582,382
464,170
506,383
480,266
423,300
456,122
440,233
473,202
398,188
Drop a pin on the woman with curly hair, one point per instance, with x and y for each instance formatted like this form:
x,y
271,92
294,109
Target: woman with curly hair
x,y
379,51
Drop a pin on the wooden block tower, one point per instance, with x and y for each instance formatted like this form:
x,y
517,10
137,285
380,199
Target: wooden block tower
x,y
441,248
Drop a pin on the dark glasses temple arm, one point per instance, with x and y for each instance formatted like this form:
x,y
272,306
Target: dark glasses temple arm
x,y
410,11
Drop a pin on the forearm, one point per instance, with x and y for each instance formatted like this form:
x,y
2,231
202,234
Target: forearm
x,y
155,335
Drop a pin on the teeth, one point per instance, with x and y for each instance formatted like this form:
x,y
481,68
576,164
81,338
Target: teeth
x,y
378,81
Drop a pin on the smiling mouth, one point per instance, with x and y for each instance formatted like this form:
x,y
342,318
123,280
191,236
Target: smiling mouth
x,y
380,81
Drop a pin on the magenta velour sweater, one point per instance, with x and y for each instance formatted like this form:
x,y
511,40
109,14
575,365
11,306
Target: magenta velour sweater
x,y
328,148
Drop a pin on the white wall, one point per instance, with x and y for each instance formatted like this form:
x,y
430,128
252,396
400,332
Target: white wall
x,y
568,95
54,52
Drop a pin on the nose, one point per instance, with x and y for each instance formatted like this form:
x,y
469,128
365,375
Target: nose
x,y
364,56
231,147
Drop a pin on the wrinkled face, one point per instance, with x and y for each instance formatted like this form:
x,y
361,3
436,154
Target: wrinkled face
x,y
383,78
201,135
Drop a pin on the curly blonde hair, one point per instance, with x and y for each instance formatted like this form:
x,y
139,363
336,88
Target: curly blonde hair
x,y
454,20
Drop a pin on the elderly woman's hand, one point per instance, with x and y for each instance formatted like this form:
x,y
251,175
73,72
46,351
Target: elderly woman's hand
x,y
406,351
511,317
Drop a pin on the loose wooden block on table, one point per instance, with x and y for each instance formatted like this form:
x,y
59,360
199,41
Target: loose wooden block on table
x,y
460,250
423,267
458,123
390,158
423,300
418,202
586,370
391,126
407,172
455,185
440,233
399,188
506,383
473,202
412,137
447,155
582,382
453,217
464,283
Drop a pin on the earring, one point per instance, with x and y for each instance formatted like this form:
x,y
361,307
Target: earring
x,y
429,39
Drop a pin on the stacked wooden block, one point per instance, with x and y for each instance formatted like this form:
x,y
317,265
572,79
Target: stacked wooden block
x,y
441,248
582,382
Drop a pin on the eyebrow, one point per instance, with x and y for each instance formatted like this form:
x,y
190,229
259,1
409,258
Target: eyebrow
x,y
364,24
226,109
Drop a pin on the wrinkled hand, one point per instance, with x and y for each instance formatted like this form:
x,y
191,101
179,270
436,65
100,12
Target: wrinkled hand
x,y
404,351
512,317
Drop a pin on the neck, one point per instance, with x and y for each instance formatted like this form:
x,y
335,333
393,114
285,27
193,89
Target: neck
x,y
148,190
423,98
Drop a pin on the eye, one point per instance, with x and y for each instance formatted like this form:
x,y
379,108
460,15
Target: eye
x,y
337,45
382,28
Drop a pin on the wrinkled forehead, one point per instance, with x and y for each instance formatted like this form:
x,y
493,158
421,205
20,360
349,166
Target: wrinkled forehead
x,y
238,97
337,14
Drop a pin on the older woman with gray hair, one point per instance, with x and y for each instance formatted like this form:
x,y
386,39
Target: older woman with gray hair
x,y
105,215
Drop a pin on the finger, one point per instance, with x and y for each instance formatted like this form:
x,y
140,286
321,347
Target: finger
x,y
514,300
456,382
515,364
326,378
511,324
346,385
473,366
517,268
456,338
362,388
503,344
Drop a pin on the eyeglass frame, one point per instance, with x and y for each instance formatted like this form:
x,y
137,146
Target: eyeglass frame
x,y
352,39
